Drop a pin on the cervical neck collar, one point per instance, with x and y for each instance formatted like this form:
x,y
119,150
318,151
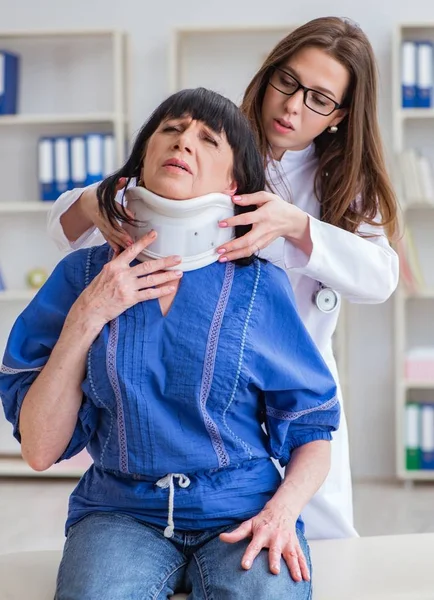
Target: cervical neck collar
x,y
188,228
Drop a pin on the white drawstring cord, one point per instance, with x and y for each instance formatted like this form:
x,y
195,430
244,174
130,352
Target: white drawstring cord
x,y
167,482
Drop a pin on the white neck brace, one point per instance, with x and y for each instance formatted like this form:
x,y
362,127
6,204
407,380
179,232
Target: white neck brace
x,y
188,228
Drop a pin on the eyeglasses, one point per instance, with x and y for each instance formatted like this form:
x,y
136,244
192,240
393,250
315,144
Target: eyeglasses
x,y
287,84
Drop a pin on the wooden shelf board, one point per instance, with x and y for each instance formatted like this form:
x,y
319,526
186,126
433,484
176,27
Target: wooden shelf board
x,y
419,475
417,113
418,385
58,119
25,207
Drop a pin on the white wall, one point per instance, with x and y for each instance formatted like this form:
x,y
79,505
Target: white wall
x,y
370,412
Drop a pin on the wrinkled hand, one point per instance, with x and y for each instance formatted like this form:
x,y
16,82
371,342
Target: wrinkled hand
x,y
117,237
272,219
119,286
272,528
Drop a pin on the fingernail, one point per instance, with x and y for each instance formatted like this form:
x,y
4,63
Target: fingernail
x,y
223,224
129,243
276,569
223,259
172,288
247,564
177,258
178,273
221,250
236,198
153,233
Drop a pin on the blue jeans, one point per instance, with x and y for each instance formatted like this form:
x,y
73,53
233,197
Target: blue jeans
x,y
112,556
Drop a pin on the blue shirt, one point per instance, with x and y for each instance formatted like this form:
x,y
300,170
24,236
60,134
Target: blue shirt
x,y
226,380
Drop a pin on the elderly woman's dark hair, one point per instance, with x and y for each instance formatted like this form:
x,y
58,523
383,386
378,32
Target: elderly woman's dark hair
x,y
218,113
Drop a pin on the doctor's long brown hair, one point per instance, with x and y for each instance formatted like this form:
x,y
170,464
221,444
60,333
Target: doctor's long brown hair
x,y
351,161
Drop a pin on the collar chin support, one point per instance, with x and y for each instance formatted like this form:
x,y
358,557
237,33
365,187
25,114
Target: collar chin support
x,y
188,228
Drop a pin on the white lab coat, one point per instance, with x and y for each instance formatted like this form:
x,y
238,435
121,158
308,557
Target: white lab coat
x,y
363,270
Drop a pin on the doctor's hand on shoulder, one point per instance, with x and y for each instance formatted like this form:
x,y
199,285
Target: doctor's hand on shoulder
x,y
117,237
119,286
273,218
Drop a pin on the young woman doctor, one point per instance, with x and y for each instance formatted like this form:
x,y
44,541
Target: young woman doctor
x,y
328,215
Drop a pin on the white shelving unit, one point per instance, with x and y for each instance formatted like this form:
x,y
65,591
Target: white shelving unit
x,y
413,319
223,59
71,82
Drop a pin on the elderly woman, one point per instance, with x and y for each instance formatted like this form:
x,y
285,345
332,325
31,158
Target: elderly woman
x,y
182,384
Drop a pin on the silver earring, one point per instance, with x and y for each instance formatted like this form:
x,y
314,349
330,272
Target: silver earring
x,y
333,129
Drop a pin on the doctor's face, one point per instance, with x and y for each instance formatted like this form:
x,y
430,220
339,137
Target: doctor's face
x,y
186,159
290,123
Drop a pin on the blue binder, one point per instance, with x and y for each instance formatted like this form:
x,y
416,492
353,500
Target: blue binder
x,y
427,441
77,161
424,79
94,158
9,71
61,165
46,169
408,74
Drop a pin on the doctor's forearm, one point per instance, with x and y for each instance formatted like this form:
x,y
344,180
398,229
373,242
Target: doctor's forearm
x,y
75,221
304,475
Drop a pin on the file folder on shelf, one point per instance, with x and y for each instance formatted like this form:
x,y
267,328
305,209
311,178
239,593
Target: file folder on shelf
x,y
46,169
424,77
77,158
412,436
9,79
94,158
61,165
427,436
408,74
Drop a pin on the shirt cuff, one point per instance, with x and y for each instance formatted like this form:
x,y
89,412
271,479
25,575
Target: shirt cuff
x,y
296,259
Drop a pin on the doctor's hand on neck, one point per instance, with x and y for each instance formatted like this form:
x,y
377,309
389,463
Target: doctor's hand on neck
x,y
273,218
85,213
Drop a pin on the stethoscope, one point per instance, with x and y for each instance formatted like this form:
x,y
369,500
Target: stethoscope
x,y
325,298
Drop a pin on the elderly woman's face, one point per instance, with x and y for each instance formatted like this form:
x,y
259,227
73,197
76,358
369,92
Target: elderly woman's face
x,y
186,158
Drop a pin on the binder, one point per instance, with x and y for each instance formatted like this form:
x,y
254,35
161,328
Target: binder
x,y
77,158
46,169
424,77
94,158
408,74
427,436
61,165
9,75
412,437
109,165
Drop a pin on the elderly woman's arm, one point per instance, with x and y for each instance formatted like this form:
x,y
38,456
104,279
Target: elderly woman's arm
x,y
42,392
274,526
49,411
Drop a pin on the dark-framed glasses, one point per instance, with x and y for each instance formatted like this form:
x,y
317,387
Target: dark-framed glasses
x,y
287,84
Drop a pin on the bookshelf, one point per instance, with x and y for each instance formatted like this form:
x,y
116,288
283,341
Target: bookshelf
x,y
71,82
413,130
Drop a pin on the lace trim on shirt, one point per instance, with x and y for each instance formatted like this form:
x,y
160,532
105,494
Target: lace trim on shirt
x,y
241,357
291,416
209,363
9,371
113,377
89,367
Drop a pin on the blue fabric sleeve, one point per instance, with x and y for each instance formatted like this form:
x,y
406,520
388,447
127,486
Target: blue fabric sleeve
x,y
299,391
31,341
